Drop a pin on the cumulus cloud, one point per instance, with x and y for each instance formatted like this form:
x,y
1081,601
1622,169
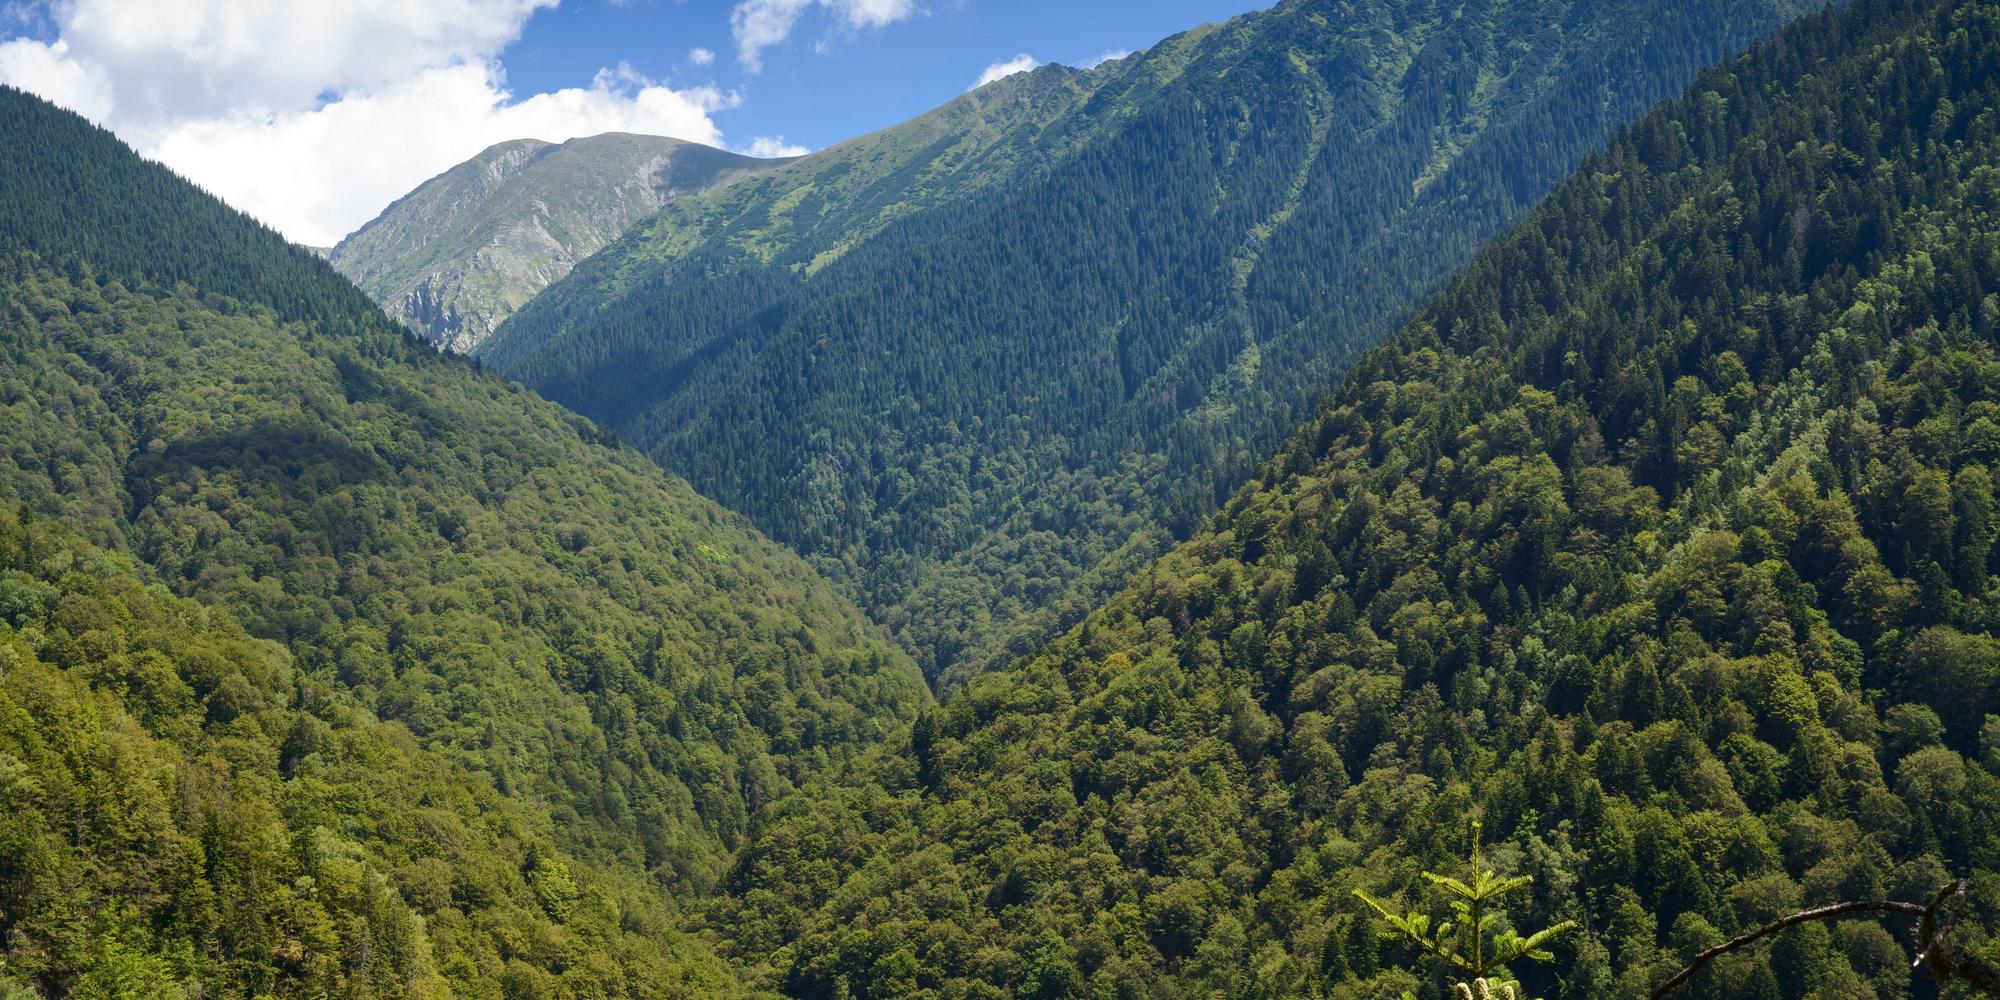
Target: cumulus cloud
x,y
172,60
771,147
313,116
759,24
701,57
1111,56
318,175
49,71
1001,70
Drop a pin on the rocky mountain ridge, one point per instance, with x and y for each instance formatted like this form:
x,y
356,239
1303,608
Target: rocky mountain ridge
x,y
466,249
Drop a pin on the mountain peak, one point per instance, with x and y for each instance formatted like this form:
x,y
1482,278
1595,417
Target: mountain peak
x,y
459,254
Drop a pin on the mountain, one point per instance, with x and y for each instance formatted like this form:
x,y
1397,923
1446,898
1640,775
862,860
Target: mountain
x,y
334,666
462,252
1660,541
186,808
981,366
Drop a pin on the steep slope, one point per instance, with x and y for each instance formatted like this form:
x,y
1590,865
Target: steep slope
x,y
980,365
1662,541
185,807
459,254
812,210
547,617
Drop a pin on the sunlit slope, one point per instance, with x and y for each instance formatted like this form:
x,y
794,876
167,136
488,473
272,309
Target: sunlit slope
x,y
467,248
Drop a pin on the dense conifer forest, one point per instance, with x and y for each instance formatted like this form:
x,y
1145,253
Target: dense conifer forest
x,y
981,386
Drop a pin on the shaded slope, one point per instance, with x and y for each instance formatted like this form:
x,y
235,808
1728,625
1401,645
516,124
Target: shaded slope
x,y
101,204
1662,541
980,365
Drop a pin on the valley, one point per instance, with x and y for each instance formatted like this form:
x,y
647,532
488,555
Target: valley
x,y
981,367
1154,530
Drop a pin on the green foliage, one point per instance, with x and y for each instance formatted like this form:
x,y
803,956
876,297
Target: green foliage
x,y
1660,540
983,366
495,676
184,811
110,210
1476,942
1643,543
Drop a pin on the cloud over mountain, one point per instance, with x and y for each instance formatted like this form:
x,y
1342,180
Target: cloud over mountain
x,y
1006,68
290,111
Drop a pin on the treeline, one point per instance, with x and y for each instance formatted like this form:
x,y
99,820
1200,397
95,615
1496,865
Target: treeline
x,y
113,212
963,414
1662,541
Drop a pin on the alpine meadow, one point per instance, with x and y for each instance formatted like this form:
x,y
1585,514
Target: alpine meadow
x,y
1358,500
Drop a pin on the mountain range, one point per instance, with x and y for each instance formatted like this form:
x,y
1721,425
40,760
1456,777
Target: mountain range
x,y
337,667
1661,541
1639,543
981,366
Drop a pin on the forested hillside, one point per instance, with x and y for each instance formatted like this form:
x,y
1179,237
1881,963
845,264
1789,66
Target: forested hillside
x,y
1661,541
468,247
491,651
188,806
979,367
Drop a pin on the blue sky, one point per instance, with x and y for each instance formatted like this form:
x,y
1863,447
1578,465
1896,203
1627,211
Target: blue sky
x,y
313,115
829,82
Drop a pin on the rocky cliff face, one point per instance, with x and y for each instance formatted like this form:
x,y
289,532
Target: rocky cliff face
x,y
464,250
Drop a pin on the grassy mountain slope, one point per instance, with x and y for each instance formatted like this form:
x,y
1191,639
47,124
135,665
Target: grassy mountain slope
x,y
980,365
808,212
467,248
549,619
1662,540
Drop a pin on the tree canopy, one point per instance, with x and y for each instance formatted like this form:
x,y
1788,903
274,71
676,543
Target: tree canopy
x,y
1658,542
982,366
466,647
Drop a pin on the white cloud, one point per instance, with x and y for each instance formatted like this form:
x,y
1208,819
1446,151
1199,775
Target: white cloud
x,y
49,71
701,57
312,116
1110,56
171,60
759,24
771,147
1001,70
318,175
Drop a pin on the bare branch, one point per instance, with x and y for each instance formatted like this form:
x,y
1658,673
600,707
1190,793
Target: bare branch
x,y
1931,932
1817,913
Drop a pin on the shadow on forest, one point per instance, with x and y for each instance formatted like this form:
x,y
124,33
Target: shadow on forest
x,y
295,458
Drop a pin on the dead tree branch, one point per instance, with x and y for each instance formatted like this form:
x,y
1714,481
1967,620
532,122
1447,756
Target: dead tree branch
x,y
1934,924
